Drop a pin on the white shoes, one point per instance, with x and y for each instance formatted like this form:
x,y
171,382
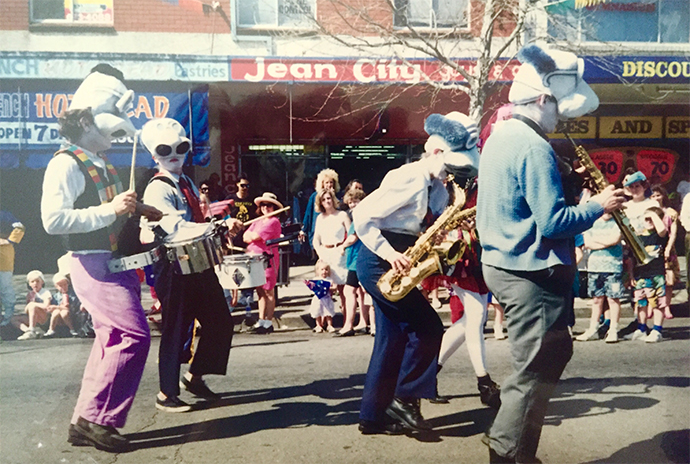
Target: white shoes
x,y
611,336
653,337
32,334
639,335
498,332
590,334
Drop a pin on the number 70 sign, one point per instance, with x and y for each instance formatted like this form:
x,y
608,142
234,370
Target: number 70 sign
x,y
657,164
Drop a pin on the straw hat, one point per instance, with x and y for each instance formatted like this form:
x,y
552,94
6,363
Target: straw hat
x,y
268,197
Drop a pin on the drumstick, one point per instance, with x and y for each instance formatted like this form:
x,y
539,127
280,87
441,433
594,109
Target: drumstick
x,y
266,215
134,160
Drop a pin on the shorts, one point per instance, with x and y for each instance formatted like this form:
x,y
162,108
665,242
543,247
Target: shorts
x,y
352,280
650,291
609,284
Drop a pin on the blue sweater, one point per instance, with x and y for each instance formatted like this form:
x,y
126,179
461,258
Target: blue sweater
x,y
522,219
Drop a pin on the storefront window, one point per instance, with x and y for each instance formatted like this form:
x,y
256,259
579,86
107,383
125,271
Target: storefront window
x,y
661,21
91,12
276,13
432,13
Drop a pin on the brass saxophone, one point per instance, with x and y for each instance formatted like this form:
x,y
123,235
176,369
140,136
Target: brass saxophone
x,y
619,216
425,257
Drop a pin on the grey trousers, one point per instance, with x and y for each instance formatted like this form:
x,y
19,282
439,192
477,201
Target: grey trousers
x,y
536,308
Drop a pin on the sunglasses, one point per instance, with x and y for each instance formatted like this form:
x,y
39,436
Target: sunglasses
x,y
244,186
203,189
268,205
167,150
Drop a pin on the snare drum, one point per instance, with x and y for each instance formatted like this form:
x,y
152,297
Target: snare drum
x,y
242,271
194,248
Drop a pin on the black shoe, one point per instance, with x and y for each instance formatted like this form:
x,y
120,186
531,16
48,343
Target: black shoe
x,y
378,428
438,399
495,458
409,414
103,437
75,438
264,330
172,404
363,330
490,394
198,387
349,333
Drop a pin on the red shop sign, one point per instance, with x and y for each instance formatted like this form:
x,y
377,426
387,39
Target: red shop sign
x,y
609,162
656,164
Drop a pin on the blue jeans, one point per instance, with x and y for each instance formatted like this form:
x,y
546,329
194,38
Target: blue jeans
x,y
536,308
408,339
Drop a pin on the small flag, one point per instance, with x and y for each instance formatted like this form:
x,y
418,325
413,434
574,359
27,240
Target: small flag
x,y
319,287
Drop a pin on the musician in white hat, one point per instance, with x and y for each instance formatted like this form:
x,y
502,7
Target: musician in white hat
x,y
526,231
408,332
84,202
183,297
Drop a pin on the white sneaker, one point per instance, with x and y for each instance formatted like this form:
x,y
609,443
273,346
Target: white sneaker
x,y
611,336
436,303
638,335
590,334
49,334
653,337
498,332
29,335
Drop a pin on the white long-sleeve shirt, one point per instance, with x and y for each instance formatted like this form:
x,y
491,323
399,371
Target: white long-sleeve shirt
x,y
171,202
63,183
398,205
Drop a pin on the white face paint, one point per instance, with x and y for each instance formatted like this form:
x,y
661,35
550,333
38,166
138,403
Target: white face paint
x,y
172,163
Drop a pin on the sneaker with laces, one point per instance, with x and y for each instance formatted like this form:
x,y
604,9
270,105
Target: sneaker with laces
x,y
653,337
611,336
29,335
198,387
589,334
639,335
172,404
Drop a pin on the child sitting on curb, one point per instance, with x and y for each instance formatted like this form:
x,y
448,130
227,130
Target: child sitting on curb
x,y
37,301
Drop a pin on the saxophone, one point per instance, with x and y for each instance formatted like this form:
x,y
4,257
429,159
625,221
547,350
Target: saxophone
x,y
425,257
619,216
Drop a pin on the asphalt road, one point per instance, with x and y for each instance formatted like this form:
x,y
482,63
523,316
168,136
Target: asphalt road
x,y
293,397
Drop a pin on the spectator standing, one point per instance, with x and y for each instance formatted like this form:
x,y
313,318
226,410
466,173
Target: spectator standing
x,y
321,307
11,233
330,234
326,179
684,218
660,195
637,188
259,232
604,276
649,280
354,292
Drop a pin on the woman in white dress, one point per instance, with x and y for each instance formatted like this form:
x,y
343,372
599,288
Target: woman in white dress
x,y
330,232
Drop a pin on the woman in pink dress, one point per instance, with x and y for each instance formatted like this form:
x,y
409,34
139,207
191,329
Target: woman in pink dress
x,y
263,229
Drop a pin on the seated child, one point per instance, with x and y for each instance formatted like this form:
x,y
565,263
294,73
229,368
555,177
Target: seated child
x,y
649,280
322,308
66,302
37,301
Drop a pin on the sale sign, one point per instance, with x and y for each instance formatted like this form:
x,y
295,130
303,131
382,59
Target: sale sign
x,y
657,164
609,162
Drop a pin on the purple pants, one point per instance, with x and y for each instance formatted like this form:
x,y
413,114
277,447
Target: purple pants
x,y
119,352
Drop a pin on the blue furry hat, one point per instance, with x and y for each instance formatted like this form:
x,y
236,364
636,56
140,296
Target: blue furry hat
x,y
537,57
457,129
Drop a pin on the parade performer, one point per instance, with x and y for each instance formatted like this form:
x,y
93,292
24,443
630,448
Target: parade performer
x,y
526,233
469,287
183,297
83,200
408,332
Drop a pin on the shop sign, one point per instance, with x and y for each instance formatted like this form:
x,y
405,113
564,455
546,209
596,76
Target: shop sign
x,y
677,127
630,127
37,66
579,128
656,164
609,162
363,70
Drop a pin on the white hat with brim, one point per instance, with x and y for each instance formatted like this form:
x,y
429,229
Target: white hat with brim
x,y
556,73
268,197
